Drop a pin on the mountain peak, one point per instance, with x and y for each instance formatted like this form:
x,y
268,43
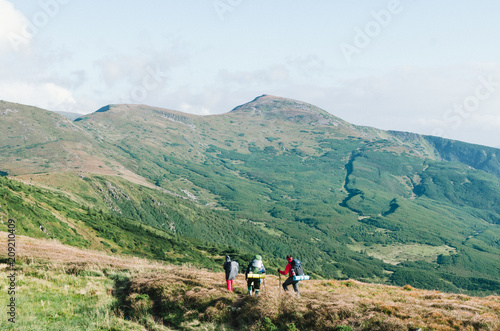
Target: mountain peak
x,y
269,103
273,107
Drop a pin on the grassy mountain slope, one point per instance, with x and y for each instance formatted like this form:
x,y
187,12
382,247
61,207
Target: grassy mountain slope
x,y
42,213
476,156
279,176
38,141
64,288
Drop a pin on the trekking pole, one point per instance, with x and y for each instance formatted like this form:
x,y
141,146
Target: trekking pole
x,y
279,285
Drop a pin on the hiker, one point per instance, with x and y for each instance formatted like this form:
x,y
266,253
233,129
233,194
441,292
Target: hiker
x,y
289,269
231,268
254,274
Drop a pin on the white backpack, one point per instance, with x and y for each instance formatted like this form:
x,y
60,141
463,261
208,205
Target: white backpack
x,y
257,264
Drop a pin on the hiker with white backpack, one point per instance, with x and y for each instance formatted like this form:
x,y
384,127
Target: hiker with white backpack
x,y
254,275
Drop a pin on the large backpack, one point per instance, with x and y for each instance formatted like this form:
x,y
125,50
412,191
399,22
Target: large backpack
x,y
233,271
256,264
297,267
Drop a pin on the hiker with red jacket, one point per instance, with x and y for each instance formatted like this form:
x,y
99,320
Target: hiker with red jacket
x,y
290,271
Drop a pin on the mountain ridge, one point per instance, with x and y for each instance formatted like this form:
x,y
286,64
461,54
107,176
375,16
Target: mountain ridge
x,y
341,197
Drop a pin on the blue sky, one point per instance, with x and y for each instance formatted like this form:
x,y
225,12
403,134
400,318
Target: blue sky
x,y
430,67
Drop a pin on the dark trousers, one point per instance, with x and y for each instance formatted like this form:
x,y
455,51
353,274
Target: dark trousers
x,y
254,282
294,283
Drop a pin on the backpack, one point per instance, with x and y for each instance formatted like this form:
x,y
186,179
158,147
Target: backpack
x,y
233,270
256,266
297,267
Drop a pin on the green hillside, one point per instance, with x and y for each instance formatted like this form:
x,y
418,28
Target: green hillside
x,y
279,176
45,214
61,287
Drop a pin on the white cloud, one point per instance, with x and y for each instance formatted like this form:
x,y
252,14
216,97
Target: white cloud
x,y
210,100
276,74
310,66
118,69
13,24
488,121
46,95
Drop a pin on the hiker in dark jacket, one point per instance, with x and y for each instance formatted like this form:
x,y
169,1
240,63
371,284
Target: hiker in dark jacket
x,y
289,280
231,268
254,274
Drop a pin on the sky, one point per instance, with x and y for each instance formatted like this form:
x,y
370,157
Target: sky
x,y
430,67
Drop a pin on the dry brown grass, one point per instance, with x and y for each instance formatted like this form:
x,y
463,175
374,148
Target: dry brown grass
x,y
183,296
33,250
324,304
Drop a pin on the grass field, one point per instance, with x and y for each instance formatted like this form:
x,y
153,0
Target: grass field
x,y
64,288
395,254
60,287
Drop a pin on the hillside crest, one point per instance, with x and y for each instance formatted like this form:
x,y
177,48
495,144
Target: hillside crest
x,y
273,107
